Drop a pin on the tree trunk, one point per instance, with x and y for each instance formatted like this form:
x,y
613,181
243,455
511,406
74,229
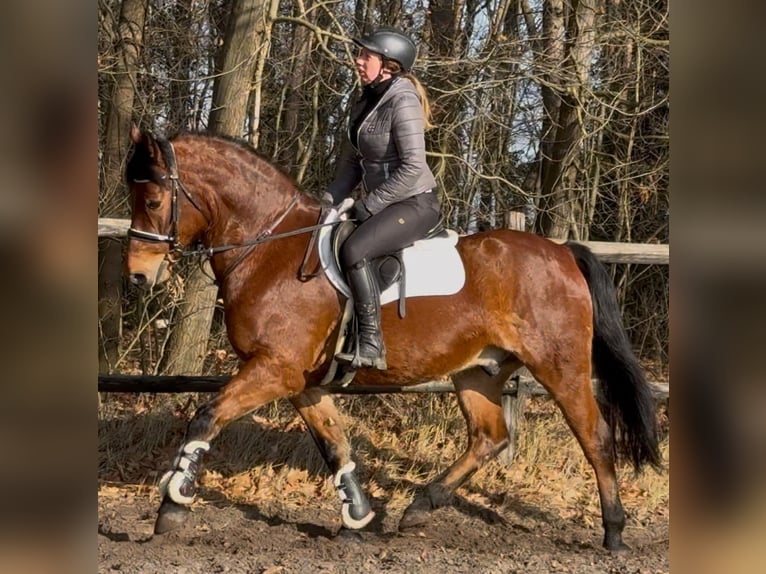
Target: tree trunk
x,y
237,62
298,90
567,64
188,342
109,304
445,20
549,54
120,112
180,89
119,115
258,79
446,83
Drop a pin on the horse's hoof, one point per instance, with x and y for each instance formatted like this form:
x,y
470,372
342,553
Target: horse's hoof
x,y
616,545
417,514
347,535
620,548
170,516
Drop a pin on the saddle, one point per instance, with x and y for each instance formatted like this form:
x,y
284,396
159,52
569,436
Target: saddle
x,y
428,267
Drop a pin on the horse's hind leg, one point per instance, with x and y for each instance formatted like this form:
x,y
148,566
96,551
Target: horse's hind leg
x,y
574,396
479,396
318,410
260,381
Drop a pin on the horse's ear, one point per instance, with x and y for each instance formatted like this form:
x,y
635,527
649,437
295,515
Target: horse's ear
x,y
135,133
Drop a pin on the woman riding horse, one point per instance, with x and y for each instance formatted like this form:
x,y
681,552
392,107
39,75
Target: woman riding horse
x,y
386,152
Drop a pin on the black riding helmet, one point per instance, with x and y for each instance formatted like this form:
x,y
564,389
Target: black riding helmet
x,y
392,44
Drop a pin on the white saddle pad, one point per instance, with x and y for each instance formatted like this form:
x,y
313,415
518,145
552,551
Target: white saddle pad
x,y
432,266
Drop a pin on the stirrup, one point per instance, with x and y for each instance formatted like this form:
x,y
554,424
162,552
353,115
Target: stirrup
x,y
357,361
378,362
345,358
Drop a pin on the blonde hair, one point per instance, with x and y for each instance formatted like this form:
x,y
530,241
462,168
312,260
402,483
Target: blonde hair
x,y
395,69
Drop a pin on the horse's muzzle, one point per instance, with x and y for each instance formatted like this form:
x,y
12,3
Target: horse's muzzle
x,y
147,276
138,279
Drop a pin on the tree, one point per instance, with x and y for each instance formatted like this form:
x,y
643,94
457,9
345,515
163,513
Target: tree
x,y
231,94
236,66
124,63
563,63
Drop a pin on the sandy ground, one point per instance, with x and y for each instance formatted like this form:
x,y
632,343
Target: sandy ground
x,y
275,538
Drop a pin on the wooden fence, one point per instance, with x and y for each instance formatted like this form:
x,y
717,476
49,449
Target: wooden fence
x,y
212,384
518,387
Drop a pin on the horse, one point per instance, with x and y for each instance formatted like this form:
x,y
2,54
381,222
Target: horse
x,y
527,301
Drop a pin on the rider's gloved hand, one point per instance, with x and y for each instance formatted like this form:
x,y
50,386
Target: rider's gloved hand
x,y
345,205
328,202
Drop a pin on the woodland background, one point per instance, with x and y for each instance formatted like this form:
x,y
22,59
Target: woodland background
x,y
555,108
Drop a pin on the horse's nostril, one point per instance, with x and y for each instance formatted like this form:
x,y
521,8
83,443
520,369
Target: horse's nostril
x,y
138,279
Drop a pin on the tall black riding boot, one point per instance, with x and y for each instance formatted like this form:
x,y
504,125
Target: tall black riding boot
x,y
371,351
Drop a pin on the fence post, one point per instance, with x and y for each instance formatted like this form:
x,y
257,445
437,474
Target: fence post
x,y
513,405
109,304
513,411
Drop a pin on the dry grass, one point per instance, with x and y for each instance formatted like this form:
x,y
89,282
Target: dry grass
x,y
401,442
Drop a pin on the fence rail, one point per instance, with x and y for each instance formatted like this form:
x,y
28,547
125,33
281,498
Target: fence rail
x,y
211,384
516,389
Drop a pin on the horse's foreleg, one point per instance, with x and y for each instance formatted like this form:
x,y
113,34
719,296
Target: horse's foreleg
x,y
479,396
257,383
318,411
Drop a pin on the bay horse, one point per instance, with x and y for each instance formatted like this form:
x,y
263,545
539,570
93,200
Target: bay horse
x,y
527,301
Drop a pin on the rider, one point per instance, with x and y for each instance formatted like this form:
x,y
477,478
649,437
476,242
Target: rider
x,y
398,204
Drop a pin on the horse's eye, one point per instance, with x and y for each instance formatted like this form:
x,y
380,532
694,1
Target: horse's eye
x,y
153,204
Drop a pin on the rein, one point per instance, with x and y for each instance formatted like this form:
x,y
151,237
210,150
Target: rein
x,y
210,251
265,236
262,238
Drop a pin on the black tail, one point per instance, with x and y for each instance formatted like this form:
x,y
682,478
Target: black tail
x,y
626,399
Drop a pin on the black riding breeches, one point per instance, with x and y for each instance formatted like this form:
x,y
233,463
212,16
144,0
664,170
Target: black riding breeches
x,y
395,227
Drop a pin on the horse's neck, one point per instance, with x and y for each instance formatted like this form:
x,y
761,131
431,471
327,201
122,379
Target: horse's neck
x,y
244,193
247,197
278,255
249,209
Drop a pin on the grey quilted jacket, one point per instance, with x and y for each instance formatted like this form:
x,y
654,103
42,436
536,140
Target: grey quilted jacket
x,y
390,161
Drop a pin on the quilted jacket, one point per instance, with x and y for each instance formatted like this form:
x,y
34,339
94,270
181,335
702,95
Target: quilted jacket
x,y
390,160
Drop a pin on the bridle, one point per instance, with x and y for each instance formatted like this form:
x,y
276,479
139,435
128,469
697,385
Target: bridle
x,y
169,156
171,238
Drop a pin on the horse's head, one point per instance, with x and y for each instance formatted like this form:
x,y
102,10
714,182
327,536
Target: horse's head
x,y
216,191
147,258
157,230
